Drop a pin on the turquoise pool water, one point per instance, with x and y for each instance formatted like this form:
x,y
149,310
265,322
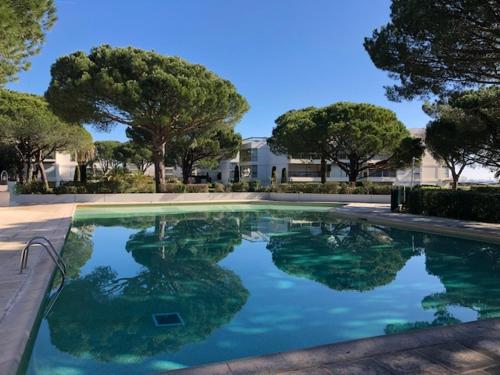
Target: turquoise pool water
x,y
248,280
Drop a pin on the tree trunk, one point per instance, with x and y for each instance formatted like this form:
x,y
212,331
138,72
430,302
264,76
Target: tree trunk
x,y
454,183
353,176
159,163
83,173
76,177
187,170
29,171
323,169
41,168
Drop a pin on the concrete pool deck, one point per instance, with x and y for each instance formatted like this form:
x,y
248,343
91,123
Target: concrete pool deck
x,y
456,349
21,295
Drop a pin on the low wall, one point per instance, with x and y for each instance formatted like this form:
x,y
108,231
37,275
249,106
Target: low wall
x,y
194,197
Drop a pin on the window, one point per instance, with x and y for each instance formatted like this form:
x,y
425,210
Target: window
x,y
304,170
248,154
382,173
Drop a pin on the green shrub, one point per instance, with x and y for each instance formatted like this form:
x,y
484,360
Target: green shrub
x,y
239,187
197,188
459,204
33,187
173,187
334,188
70,188
219,188
254,186
331,188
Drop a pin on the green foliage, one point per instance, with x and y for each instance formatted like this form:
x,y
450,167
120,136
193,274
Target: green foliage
x,y
239,186
23,24
106,155
32,187
334,188
452,144
358,132
254,186
348,134
174,187
196,188
202,148
456,204
134,153
27,124
434,46
301,133
219,188
476,117
164,97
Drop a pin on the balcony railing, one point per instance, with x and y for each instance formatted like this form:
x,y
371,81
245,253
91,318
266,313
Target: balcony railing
x,y
304,174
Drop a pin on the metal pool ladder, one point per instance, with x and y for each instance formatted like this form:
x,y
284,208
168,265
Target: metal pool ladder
x,y
47,245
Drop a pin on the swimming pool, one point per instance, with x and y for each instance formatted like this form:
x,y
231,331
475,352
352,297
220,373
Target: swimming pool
x,y
155,288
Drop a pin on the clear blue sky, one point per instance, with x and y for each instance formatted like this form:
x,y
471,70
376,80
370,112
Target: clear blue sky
x,y
280,54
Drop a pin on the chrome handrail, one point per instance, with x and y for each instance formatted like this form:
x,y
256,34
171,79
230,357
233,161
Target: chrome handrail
x,y
50,250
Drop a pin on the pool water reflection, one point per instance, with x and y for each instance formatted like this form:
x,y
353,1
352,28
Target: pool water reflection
x,y
250,282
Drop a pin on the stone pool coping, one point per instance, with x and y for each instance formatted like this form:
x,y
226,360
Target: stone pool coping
x,y
467,348
20,300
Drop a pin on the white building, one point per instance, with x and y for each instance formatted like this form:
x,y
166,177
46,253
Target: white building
x,y
60,167
256,162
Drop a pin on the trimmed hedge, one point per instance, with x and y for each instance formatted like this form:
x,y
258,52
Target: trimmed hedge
x,y
334,188
197,188
460,204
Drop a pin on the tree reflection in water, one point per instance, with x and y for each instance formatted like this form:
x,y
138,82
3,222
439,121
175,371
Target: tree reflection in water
x,y
106,316
342,255
470,274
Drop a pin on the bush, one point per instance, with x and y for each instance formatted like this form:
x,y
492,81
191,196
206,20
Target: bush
x,y
334,188
197,188
70,188
460,204
33,187
173,187
254,186
239,187
219,188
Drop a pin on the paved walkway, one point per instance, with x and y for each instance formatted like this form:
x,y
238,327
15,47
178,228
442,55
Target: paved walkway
x,y
380,213
22,294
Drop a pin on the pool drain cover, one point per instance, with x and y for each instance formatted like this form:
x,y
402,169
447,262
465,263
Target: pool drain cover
x,y
167,320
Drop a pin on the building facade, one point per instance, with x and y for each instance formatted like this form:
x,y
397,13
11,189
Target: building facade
x,y
256,162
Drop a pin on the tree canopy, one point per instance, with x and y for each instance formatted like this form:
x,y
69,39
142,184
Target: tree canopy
x,y
476,118
203,150
351,135
134,153
434,46
164,96
27,123
299,133
452,144
106,155
364,137
23,24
